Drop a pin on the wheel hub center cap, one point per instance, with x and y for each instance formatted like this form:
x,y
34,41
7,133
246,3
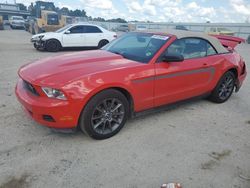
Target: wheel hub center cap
x,y
108,116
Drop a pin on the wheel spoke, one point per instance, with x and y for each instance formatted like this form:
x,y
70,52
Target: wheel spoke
x,y
117,106
109,125
104,126
105,105
112,103
116,121
96,117
220,93
99,109
98,124
118,113
229,81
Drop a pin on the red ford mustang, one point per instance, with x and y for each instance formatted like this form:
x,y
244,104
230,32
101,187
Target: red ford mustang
x,y
99,90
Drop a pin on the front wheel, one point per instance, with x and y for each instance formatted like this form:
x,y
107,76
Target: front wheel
x,y
102,43
224,88
52,45
105,114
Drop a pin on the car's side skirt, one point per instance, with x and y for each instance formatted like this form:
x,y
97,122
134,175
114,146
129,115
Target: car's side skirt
x,y
169,106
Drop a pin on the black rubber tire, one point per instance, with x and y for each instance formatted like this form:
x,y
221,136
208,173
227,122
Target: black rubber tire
x,y
102,43
85,118
35,46
53,45
214,97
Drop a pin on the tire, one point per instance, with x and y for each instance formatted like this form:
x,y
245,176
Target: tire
x,y
35,46
53,45
102,43
224,88
101,121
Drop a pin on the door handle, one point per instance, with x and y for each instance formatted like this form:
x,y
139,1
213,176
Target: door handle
x,y
204,64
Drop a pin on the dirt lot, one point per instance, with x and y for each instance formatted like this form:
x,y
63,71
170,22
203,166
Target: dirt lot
x,y
199,144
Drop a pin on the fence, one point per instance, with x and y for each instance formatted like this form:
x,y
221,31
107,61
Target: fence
x,y
240,29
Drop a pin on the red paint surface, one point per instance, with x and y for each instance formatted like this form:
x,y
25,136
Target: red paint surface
x,y
83,74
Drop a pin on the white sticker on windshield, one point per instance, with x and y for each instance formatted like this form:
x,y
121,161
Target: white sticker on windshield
x,y
161,37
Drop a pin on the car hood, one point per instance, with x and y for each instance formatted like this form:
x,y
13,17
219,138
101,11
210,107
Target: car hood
x,y
60,70
47,34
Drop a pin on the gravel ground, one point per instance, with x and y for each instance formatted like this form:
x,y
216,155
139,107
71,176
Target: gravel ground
x,y
199,144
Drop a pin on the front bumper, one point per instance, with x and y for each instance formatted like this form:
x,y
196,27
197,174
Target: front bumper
x,y
41,109
38,43
17,25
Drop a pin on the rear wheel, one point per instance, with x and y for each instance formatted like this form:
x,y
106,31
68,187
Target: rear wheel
x,y
105,114
224,88
102,43
52,45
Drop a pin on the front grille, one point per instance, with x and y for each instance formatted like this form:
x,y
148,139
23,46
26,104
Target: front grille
x,y
30,88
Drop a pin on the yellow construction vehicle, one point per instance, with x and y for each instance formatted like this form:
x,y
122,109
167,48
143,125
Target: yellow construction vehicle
x,y
47,19
65,20
1,22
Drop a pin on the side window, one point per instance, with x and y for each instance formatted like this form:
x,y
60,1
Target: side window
x,y
76,29
210,49
91,29
191,48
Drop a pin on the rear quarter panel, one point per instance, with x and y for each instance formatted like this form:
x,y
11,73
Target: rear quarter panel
x,y
226,62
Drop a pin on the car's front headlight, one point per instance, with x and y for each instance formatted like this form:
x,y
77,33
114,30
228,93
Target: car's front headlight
x,y
41,36
54,93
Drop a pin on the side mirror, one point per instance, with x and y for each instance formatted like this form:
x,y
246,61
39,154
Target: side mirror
x,y
67,32
173,58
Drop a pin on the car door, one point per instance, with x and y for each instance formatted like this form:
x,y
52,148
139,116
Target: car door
x,y
93,35
191,77
74,37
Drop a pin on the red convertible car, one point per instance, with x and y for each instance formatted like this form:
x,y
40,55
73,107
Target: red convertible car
x,y
99,90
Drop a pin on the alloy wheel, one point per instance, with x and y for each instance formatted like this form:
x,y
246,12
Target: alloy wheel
x,y
226,87
107,116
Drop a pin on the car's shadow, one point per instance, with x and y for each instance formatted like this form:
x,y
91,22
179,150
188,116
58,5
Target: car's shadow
x,y
78,48
148,114
70,49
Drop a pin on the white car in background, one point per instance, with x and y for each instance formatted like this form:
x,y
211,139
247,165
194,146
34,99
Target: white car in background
x,y
73,35
16,22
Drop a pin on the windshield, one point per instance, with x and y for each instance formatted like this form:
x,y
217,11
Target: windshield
x,y
53,19
63,28
139,47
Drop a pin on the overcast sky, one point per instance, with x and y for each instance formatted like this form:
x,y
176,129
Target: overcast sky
x,y
161,10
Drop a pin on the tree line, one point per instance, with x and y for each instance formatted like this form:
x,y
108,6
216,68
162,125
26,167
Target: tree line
x,y
66,11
